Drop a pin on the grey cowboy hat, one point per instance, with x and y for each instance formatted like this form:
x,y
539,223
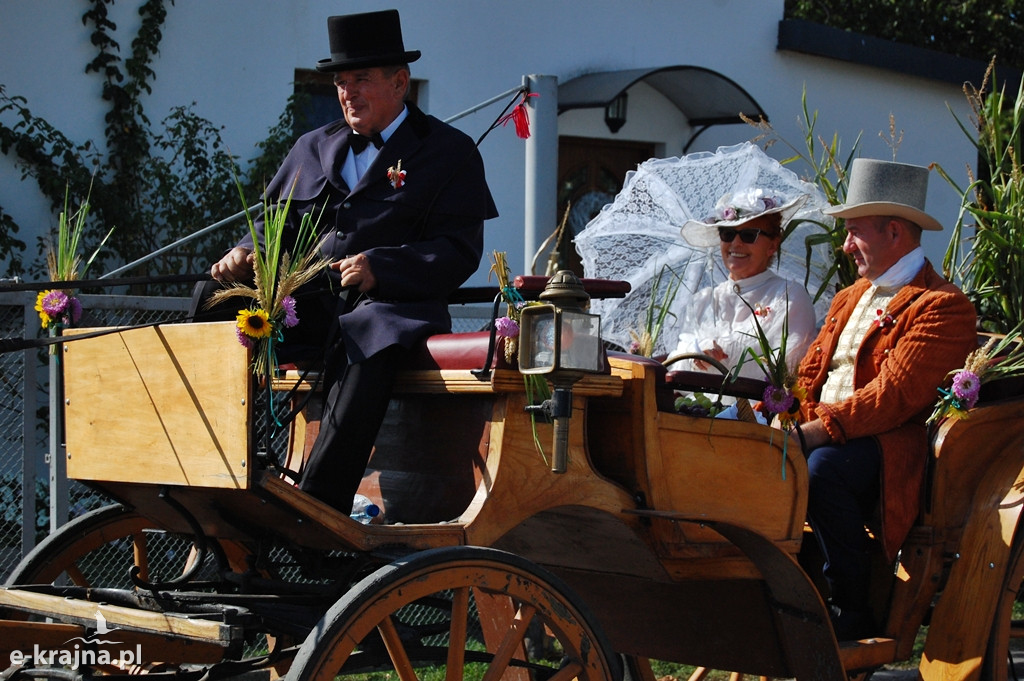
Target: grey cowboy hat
x,y
362,41
886,188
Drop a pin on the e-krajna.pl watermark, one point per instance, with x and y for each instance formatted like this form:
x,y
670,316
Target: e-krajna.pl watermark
x,y
77,656
88,653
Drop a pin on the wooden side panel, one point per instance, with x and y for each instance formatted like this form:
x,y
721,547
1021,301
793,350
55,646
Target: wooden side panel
x,y
730,471
161,405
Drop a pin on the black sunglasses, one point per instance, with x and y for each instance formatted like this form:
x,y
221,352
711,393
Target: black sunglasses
x,y
747,236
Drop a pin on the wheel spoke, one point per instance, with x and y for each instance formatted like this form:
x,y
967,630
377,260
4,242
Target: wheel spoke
x,y
457,634
76,576
570,671
139,550
396,649
510,643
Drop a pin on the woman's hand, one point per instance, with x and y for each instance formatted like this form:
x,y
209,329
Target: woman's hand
x,y
716,352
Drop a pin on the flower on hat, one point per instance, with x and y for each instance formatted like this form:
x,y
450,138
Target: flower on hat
x,y
745,204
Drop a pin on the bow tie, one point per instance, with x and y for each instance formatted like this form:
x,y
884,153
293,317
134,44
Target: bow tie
x,y
358,142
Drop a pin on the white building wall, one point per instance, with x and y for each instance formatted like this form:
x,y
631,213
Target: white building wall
x,y
235,59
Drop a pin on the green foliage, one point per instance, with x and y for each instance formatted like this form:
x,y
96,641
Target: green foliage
x,y
824,165
152,185
991,272
978,29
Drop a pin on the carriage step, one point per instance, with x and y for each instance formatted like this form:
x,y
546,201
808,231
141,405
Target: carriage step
x,y
115,617
868,653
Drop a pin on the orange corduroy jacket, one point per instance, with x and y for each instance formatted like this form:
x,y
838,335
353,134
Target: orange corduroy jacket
x,y
900,364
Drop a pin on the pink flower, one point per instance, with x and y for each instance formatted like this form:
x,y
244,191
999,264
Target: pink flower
x,y
290,317
54,303
506,327
966,387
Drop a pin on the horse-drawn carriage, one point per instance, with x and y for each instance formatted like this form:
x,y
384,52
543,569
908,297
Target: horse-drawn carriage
x,y
661,535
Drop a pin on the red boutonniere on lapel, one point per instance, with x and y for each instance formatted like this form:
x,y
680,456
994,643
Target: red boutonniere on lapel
x,y
396,175
884,320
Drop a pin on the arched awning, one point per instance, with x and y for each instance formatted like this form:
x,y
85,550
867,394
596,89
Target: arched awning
x,y
704,96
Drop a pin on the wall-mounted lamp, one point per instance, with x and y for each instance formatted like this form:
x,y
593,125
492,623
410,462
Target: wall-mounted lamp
x,y
562,342
615,113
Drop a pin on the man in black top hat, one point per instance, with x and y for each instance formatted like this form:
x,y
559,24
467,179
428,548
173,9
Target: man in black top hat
x,y
406,199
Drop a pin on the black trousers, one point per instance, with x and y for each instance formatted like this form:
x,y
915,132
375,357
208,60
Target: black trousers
x,y
357,397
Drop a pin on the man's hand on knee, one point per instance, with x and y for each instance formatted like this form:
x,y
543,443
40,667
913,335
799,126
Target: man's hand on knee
x,y
235,266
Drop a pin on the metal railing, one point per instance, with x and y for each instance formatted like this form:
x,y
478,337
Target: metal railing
x,y
35,495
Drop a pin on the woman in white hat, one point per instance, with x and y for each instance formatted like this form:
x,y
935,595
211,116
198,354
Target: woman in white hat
x,y
720,321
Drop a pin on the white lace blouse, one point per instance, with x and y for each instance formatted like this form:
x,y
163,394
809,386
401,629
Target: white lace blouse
x,y
719,315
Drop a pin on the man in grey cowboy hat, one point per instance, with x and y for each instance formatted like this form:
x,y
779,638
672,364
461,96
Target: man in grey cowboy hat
x,y
405,199
870,377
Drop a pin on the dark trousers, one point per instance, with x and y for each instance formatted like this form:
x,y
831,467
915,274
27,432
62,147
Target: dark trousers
x,y
357,395
354,409
843,492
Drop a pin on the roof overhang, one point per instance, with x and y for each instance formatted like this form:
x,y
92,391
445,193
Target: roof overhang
x,y
704,96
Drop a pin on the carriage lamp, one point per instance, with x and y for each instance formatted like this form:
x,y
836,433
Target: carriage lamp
x,y
561,341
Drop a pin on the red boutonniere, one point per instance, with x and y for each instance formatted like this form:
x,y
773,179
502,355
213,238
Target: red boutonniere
x,y
396,175
883,320
762,310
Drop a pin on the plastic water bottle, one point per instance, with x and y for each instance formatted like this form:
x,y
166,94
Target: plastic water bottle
x,y
365,511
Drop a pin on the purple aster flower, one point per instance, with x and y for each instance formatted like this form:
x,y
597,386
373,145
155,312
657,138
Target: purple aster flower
x,y
506,327
290,318
244,339
75,309
778,400
966,386
54,303
634,348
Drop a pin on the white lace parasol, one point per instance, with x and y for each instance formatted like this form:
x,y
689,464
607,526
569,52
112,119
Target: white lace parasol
x,y
637,238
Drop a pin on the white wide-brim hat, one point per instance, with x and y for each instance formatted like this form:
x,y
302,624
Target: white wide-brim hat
x,y
886,188
737,208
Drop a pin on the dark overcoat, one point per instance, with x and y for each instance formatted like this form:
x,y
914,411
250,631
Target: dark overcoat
x,y
423,234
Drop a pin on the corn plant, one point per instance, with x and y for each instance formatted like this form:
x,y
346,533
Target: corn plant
x,y
985,255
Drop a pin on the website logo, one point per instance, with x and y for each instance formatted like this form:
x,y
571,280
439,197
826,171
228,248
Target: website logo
x,y
79,652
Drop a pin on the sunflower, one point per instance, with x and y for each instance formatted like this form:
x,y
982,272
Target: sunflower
x,y
255,323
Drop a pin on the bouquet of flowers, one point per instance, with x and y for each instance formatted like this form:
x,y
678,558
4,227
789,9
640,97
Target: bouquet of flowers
x,y
1000,357
782,395
507,328
58,308
277,275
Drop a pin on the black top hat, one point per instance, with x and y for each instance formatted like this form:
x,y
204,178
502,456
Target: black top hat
x,y
360,41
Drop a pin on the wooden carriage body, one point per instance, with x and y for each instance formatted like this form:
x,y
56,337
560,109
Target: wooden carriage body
x,y
684,536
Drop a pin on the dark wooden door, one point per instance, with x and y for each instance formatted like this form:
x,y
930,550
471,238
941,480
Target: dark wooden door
x,y
590,174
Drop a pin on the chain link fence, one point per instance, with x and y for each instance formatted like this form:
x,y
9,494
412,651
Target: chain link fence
x,y
35,495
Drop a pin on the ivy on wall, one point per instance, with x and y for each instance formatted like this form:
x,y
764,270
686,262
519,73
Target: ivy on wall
x,y
152,184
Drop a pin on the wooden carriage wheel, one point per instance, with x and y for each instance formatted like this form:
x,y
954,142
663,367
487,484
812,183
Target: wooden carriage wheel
x,y
83,551
97,549
419,613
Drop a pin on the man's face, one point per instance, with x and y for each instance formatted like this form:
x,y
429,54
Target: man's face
x,y
872,243
371,98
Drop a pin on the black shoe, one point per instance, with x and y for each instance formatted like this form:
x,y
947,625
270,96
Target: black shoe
x,y
851,625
